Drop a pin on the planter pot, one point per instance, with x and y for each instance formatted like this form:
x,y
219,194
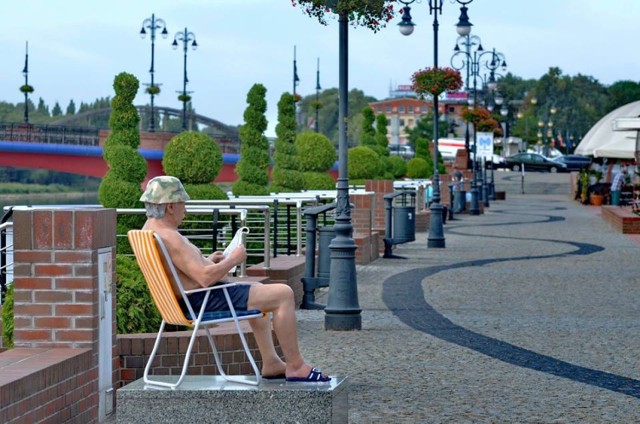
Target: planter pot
x,y
597,199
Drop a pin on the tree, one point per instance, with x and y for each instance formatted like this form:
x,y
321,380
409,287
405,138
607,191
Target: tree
x,y
71,108
285,175
252,168
622,93
368,133
381,132
57,110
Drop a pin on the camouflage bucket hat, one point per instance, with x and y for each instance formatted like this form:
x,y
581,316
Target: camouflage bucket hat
x,y
164,189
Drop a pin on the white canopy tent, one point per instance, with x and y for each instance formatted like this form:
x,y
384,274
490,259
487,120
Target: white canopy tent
x,y
605,141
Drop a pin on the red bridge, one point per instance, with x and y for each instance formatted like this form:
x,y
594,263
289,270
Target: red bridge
x,y
79,150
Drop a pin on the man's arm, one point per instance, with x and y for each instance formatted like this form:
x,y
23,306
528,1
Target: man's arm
x,y
188,259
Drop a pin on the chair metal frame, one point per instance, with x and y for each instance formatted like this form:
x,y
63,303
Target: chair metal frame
x,y
149,251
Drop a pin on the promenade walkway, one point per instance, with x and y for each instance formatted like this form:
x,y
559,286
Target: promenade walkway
x,y
531,314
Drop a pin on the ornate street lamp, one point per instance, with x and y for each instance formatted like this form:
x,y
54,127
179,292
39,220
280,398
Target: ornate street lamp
x,y
467,41
406,26
153,24
477,59
185,38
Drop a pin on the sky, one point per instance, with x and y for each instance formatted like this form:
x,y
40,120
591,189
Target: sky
x,y
76,47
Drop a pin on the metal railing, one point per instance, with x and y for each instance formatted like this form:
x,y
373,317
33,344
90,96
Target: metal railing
x,y
49,134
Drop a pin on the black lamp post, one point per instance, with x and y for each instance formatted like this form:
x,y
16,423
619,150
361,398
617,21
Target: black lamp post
x,y
343,310
185,37
316,126
477,58
467,41
26,88
153,24
436,231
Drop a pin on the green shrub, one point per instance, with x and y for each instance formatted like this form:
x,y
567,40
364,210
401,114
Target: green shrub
x,y
192,157
285,175
135,310
418,168
252,168
319,181
397,166
364,163
316,153
7,318
205,192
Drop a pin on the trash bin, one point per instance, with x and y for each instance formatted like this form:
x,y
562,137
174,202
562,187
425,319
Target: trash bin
x,y
325,235
404,224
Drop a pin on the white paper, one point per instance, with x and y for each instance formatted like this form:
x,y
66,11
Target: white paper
x,y
235,242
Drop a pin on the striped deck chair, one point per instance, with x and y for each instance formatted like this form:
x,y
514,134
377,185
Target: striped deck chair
x,y
149,251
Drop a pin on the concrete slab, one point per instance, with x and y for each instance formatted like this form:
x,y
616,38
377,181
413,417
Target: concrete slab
x,y
212,399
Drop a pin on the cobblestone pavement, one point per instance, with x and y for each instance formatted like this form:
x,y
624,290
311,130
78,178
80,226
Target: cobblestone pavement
x,y
529,315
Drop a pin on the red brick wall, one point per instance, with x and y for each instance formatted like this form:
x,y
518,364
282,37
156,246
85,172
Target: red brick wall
x,y
48,386
56,304
621,219
288,270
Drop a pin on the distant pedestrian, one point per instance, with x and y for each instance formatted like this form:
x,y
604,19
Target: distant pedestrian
x,y
616,185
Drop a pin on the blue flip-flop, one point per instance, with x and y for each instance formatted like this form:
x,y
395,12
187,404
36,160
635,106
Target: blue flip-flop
x,y
315,376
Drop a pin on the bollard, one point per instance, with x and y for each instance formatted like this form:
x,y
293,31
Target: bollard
x,y
451,200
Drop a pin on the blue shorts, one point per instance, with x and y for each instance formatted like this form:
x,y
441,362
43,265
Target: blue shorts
x,y
217,302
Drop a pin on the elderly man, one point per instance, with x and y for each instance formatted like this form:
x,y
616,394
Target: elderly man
x,y
616,185
164,200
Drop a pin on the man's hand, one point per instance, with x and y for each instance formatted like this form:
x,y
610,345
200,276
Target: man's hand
x,y
216,257
239,254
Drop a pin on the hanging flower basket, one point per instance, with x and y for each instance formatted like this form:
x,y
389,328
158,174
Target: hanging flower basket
x,y
296,98
184,98
26,88
373,14
436,81
153,89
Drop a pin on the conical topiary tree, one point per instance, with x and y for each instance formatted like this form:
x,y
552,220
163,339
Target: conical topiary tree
x,y
252,168
316,156
195,158
285,176
120,187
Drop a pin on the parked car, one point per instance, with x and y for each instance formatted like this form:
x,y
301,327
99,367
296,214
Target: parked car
x,y
534,162
574,162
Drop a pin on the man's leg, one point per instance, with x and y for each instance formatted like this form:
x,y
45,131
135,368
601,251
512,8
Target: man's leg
x,y
279,299
272,365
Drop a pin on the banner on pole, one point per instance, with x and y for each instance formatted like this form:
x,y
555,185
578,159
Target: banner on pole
x,y
485,145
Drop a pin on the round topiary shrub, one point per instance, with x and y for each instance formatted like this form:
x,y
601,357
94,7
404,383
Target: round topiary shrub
x,y
364,163
192,157
316,152
417,168
397,166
